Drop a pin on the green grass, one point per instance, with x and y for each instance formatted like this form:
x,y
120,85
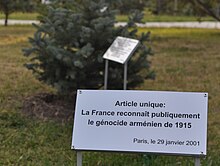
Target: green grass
x,y
166,18
184,60
187,60
20,16
12,40
149,17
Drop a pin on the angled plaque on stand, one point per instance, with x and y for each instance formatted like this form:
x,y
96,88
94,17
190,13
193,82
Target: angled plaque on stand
x,y
120,51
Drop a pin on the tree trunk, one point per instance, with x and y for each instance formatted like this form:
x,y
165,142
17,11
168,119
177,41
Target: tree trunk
x,y
175,7
158,7
6,19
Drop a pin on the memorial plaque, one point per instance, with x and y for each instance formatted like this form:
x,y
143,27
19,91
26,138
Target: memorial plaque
x,y
141,121
121,49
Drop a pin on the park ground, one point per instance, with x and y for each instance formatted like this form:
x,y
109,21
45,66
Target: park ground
x,y
184,60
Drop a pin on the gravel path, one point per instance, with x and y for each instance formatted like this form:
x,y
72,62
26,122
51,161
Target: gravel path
x,y
17,22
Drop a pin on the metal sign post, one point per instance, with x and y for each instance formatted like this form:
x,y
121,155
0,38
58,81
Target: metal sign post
x,y
125,75
197,161
79,158
106,75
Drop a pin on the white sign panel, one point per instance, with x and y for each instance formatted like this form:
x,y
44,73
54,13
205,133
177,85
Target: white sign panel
x,y
141,121
121,49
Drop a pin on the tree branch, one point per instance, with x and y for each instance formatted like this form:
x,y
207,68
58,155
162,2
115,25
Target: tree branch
x,y
205,8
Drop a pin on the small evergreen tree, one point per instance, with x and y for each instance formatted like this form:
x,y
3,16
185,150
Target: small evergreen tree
x,y
69,44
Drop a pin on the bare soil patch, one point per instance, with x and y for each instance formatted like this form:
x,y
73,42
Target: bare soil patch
x,y
48,107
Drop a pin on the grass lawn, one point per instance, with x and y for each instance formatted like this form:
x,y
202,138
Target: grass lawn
x,y
149,17
184,60
20,16
165,18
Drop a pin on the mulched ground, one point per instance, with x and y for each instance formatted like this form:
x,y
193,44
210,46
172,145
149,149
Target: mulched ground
x,y
48,107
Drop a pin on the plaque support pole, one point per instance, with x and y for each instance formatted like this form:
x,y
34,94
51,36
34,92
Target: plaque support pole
x,y
125,75
79,158
106,75
197,161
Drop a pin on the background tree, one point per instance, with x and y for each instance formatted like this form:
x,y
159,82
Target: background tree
x,y
125,6
69,44
10,6
170,7
209,7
